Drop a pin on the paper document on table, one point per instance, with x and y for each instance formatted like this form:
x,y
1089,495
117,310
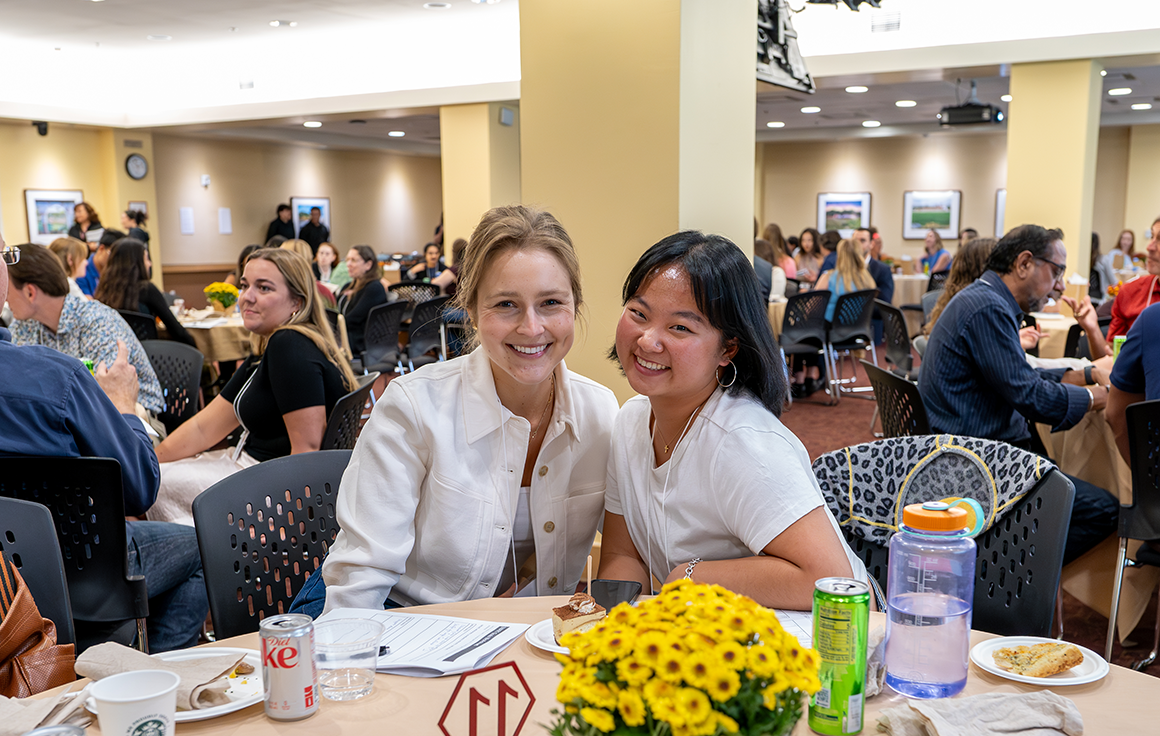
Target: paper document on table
x,y
798,623
205,324
422,645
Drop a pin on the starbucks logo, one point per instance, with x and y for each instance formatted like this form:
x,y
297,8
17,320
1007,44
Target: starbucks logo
x,y
151,727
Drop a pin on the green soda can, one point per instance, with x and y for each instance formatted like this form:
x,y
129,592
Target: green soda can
x,y
1117,343
89,364
841,629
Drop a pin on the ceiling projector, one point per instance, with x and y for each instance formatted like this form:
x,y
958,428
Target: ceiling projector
x,y
971,112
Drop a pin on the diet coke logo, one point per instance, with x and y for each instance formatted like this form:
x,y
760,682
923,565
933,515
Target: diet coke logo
x,y
279,653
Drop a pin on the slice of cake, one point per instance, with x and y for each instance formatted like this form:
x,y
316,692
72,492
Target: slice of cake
x,y
1040,660
580,613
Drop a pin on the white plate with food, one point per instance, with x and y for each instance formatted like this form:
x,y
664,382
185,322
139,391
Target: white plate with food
x,y
244,690
541,636
1092,668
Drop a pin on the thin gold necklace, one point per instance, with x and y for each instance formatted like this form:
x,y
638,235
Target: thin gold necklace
x,y
657,425
544,413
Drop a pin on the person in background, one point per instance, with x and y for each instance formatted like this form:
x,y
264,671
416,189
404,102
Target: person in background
x,y
233,277
430,267
325,261
850,274
1098,281
62,410
781,256
968,266
448,281
808,258
361,295
133,221
314,232
966,235
1141,292
126,285
98,254
85,218
937,257
767,273
302,248
281,224
47,315
792,245
875,243
281,396
879,271
830,240
73,255
1136,375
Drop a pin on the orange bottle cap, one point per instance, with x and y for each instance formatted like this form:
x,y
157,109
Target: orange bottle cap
x,y
935,516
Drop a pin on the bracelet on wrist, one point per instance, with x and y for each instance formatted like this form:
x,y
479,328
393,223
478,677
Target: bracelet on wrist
x,y
1091,398
689,569
1087,375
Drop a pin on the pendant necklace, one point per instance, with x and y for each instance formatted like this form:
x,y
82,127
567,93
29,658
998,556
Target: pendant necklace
x,y
544,413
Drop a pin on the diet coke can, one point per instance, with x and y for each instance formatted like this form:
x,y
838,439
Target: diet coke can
x,y
289,681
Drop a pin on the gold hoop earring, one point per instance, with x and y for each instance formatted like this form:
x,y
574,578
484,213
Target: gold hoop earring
x,y
717,374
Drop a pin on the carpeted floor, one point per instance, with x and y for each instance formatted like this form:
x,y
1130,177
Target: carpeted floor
x,y
823,428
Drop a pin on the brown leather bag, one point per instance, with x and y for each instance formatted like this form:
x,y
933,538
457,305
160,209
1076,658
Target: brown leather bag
x,y
30,659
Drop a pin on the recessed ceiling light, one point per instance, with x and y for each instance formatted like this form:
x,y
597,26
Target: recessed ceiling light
x,y
1120,91
811,109
905,103
870,124
158,37
1005,98
1142,106
283,23
396,134
485,2
436,6
312,124
775,125
1103,72
857,89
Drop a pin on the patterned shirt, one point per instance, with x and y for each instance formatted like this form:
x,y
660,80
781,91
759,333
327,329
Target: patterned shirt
x,y
89,329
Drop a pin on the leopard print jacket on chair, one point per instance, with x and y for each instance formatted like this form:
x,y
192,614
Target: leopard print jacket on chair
x,y
866,486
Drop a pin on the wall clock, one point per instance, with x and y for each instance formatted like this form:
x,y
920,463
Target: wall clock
x,y
136,166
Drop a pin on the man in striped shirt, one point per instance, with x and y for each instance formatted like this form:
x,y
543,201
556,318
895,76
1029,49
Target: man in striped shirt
x,y
976,381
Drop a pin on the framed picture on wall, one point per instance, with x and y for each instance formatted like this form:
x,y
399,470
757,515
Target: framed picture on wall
x,y
1000,212
931,210
844,212
300,208
50,213
136,206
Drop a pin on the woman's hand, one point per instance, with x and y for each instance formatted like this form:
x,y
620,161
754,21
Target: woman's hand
x,y
1029,337
208,427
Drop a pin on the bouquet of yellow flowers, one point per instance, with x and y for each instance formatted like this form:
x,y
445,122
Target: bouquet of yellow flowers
x,y
695,660
1114,289
218,291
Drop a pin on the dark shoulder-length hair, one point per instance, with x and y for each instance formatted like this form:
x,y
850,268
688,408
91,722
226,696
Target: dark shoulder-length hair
x,y
726,291
124,277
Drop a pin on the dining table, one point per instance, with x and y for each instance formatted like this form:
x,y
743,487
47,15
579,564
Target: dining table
x,y
220,338
1119,703
1054,327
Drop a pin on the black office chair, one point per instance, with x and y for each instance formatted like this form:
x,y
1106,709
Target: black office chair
x,y
28,538
178,367
262,532
1029,321
144,326
792,286
85,498
938,280
346,417
1141,519
381,338
899,403
803,327
413,292
426,333
851,330
897,338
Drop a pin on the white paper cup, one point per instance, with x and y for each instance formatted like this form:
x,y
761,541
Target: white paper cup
x,y
141,703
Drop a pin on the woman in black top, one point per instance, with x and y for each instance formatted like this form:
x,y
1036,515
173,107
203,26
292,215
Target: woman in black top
x,y
280,397
126,285
132,221
361,295
430,267
85,219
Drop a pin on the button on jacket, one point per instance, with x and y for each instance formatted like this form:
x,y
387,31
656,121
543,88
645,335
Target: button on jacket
x,y
427,503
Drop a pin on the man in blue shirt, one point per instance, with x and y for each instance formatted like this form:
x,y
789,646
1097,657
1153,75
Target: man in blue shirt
x,y
1136,375
51,406
976,381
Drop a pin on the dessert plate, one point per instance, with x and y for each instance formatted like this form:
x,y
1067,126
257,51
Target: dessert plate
x,y
1092,668
541,636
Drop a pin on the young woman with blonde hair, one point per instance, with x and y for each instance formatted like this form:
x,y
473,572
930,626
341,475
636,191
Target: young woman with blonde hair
x,y
73,255
850,274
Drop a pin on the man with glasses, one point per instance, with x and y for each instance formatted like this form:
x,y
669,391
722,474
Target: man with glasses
x,y
975,379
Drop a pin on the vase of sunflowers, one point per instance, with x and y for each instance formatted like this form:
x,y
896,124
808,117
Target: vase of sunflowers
x,y
697,660
221,296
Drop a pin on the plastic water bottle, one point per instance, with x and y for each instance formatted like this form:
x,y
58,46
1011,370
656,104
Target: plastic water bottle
x,y
930,586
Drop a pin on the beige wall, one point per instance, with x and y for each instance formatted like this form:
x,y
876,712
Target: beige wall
x,y
1111,184
481,164
387,201
1143,200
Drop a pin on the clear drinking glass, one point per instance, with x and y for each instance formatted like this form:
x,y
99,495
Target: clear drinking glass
x,y
346,651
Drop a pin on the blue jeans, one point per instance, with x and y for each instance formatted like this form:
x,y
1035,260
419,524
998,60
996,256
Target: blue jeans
x,y
168,557
311,599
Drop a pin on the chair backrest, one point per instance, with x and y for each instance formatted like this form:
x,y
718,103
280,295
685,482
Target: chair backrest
x,y
343,425
338,327
1029,321
144,326
792,286
382,336
425,326
178,369
896,335
852,315
85,498
28,538
938,280
899,403
413,291
262,532
1141,520
929,301
803,328
1071,345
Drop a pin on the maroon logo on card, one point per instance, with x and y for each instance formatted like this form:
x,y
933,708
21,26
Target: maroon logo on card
x,y
494,700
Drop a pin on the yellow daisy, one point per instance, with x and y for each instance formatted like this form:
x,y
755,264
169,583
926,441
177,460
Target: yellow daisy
x,y
631,707
600,719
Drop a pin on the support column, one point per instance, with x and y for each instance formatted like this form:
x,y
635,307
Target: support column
x,y
1052,138
480,150
116,145
638,122
1143,200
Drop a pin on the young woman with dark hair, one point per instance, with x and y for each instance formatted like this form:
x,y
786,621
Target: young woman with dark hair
x,y
360,296
133,221
125,285
809,255
704,480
